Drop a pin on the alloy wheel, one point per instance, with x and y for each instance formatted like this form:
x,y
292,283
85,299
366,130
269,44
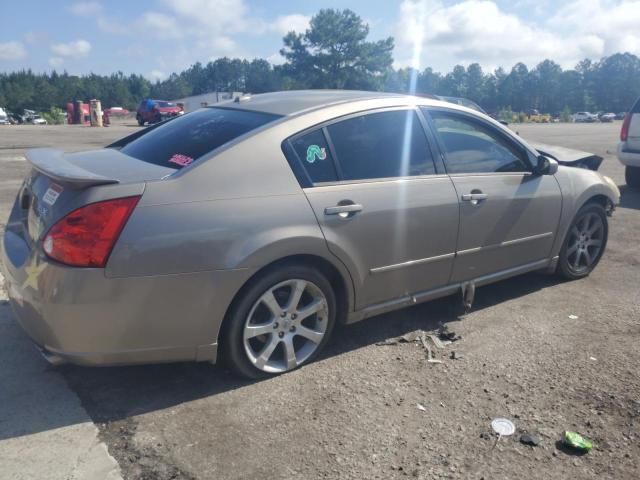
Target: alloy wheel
x,y
586,240
286,325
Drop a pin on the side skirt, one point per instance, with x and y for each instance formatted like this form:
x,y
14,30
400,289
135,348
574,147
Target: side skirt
x,y
424,296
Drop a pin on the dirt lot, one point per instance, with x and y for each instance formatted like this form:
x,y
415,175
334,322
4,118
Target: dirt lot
x,y
550,355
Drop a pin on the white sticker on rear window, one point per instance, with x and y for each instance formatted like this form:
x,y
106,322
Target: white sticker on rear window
x,y
52,194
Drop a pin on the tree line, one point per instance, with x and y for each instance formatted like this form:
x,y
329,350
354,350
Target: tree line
x,y
335,53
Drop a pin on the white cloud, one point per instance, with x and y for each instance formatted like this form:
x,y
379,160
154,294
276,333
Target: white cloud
x,y
480,31
275,59
36,38
162,25
12,51
76,49
155,75
83,9
111,26
214,15
56,62
286,23
207,29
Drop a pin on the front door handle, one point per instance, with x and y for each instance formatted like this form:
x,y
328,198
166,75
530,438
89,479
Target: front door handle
x,y
344,210
474,197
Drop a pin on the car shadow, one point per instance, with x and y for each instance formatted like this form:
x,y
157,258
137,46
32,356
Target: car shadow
x,y
115,393
629,198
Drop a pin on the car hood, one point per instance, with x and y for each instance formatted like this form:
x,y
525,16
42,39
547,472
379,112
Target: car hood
x,y
568,156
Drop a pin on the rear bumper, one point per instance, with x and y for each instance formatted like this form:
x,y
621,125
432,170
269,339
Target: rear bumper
x,y
81,316
630,159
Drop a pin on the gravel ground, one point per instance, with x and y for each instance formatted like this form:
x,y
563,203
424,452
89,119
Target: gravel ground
x,y
550,355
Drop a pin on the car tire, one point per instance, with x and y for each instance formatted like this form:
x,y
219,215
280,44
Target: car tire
x,y
246,356
632,176
584,243
140,120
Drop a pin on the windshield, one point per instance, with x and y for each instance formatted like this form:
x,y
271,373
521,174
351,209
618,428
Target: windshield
x,y
165,104
180,142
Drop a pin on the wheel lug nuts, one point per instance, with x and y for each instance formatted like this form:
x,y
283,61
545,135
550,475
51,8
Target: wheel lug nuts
x,y
293,316
292,329
281,334
276,325
283,314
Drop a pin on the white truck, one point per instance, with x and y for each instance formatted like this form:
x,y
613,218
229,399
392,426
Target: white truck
x,y
4,119
629,146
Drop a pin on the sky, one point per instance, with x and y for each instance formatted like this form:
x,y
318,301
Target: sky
x,y
157,37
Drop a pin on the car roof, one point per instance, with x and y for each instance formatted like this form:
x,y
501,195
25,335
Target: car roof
x,y
292,102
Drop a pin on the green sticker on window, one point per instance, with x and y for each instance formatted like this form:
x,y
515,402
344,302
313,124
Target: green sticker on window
x,y
314,151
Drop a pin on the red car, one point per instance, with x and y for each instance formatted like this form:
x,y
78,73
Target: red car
x,y
153,111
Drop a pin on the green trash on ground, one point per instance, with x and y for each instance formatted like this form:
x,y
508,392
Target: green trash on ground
x,y
575,440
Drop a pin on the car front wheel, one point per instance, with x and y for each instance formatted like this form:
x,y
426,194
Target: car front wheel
x,y
632,176
140,120
283,320
585,242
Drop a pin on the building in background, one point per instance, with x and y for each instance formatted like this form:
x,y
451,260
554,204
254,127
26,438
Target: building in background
x,y
189,104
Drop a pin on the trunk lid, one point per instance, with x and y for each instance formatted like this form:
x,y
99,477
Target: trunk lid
x,y
59,183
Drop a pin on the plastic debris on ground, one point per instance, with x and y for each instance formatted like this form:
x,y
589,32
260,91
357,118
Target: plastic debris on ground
x,y
503,427
576,441
439,341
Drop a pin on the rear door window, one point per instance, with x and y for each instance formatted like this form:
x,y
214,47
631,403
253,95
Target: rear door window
x,y
180,142
381,145
313,153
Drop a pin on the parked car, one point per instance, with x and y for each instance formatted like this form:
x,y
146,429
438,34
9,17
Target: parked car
x,y
4,118
620,115
607,117
15,119
533,115
36,120
585,117
116,112
629,146
154,111
250,241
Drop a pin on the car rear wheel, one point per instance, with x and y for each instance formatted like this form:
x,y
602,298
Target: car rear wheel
x,y
140,120
585,242
632,176
282,321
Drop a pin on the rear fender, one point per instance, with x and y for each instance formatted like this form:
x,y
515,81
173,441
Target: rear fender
x,y
272,246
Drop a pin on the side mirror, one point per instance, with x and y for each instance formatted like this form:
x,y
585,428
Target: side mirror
x,y
545,166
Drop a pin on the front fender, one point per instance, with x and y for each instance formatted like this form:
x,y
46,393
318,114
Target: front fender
x,y
578,187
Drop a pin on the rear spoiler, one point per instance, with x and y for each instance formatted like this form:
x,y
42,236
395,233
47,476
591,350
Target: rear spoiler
x,y
54,165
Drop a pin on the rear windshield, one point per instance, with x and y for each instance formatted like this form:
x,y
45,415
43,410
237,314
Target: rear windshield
x,y
180,142
166,104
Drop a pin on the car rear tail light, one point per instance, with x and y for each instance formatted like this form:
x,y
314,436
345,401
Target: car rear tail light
x,y
624,131
86,236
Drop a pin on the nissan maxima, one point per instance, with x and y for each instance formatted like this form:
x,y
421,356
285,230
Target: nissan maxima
x,y
247,231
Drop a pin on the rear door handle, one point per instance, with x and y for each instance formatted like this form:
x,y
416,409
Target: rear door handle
x,y
344,210
474,198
